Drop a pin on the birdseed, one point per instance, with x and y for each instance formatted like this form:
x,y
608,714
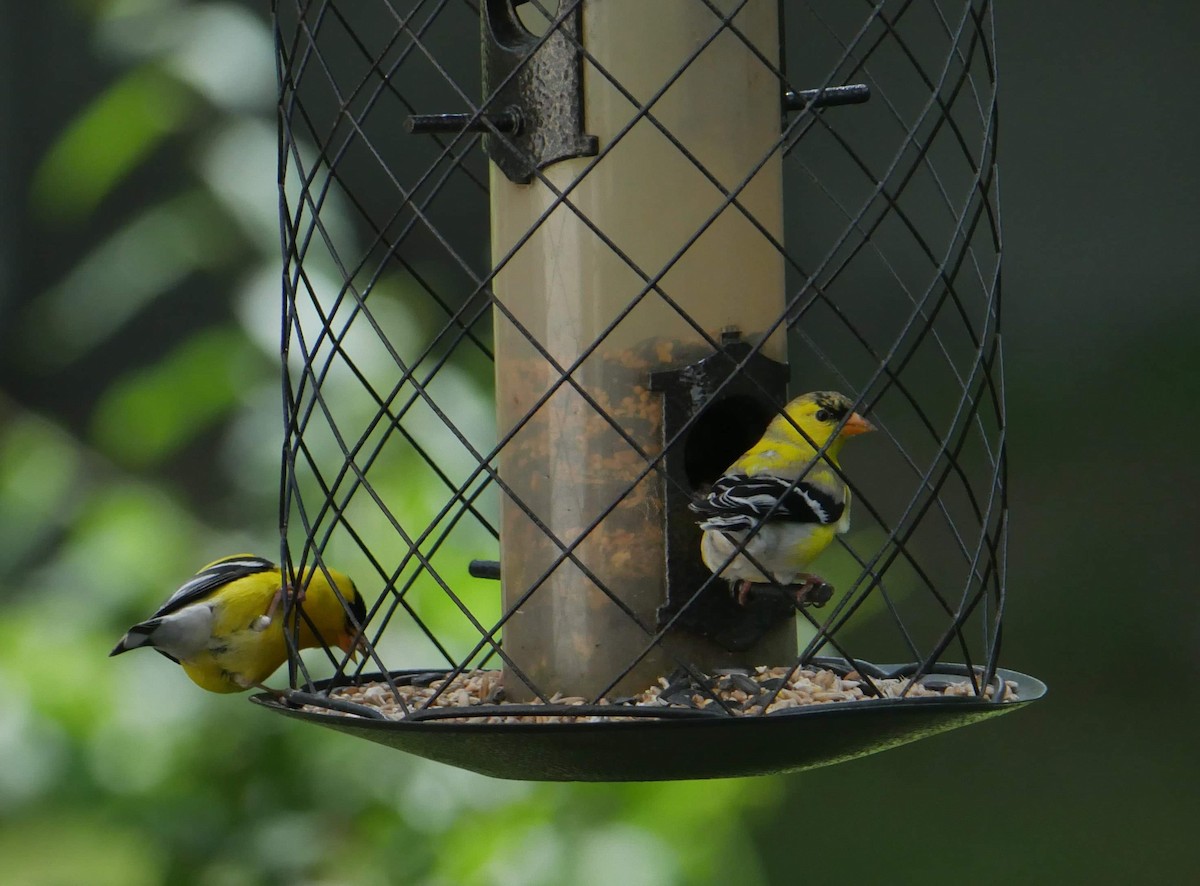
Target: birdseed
x,y
743,692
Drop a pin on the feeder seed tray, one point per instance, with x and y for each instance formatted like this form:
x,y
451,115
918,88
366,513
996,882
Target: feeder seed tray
x,y
639,742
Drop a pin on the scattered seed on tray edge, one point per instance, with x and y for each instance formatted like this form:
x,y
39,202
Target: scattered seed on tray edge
x,y
806,687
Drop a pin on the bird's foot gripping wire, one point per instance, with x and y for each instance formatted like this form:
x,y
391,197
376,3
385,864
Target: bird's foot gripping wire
x,y
263,622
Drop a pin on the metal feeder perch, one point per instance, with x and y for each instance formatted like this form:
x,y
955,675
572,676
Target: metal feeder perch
x,y
685,231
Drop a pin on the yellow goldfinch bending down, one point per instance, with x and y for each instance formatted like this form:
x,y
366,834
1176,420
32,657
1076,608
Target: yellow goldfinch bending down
x,y
220,626
799,519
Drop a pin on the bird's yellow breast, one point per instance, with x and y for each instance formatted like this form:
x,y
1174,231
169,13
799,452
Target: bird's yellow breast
x,y
237,655
241,659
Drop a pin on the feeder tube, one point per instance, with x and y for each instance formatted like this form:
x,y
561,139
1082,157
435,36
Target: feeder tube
x,y
564,288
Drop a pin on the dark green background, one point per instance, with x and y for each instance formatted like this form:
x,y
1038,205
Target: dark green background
x,y
116,479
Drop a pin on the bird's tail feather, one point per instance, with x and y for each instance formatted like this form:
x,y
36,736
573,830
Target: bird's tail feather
x,y
123,646
138,635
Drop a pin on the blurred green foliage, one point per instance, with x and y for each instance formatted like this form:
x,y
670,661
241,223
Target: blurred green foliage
x,y
106,143
120,771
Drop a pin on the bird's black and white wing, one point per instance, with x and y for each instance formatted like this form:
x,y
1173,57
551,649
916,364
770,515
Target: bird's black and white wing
x,y
739,502
210,578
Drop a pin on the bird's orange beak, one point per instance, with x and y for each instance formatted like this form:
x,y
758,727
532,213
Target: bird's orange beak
x,y
353,645
856,425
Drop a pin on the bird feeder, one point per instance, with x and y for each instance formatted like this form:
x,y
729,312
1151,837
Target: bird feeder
x,y
549,269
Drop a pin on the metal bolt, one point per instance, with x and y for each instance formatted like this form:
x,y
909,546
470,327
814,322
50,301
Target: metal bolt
x,y
507,122
484,569
853,94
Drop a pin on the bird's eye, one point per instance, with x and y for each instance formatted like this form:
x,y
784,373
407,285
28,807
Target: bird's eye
x,y
823,415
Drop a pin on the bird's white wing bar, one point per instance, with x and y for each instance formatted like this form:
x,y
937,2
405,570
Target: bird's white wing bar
x,y
208,580
737,501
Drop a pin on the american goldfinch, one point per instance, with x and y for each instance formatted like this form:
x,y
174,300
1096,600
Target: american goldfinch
x,y
797,497
221,625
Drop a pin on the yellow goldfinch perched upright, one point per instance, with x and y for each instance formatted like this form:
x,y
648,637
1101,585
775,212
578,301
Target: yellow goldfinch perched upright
x,y
781,483
221,625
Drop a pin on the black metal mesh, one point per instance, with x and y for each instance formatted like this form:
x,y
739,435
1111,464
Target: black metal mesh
x,y
892,257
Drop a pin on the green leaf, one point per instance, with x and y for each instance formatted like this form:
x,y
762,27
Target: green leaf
x,y
121,127
145,417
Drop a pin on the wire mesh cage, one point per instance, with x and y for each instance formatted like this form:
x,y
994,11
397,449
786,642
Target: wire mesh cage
x,y
549,269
